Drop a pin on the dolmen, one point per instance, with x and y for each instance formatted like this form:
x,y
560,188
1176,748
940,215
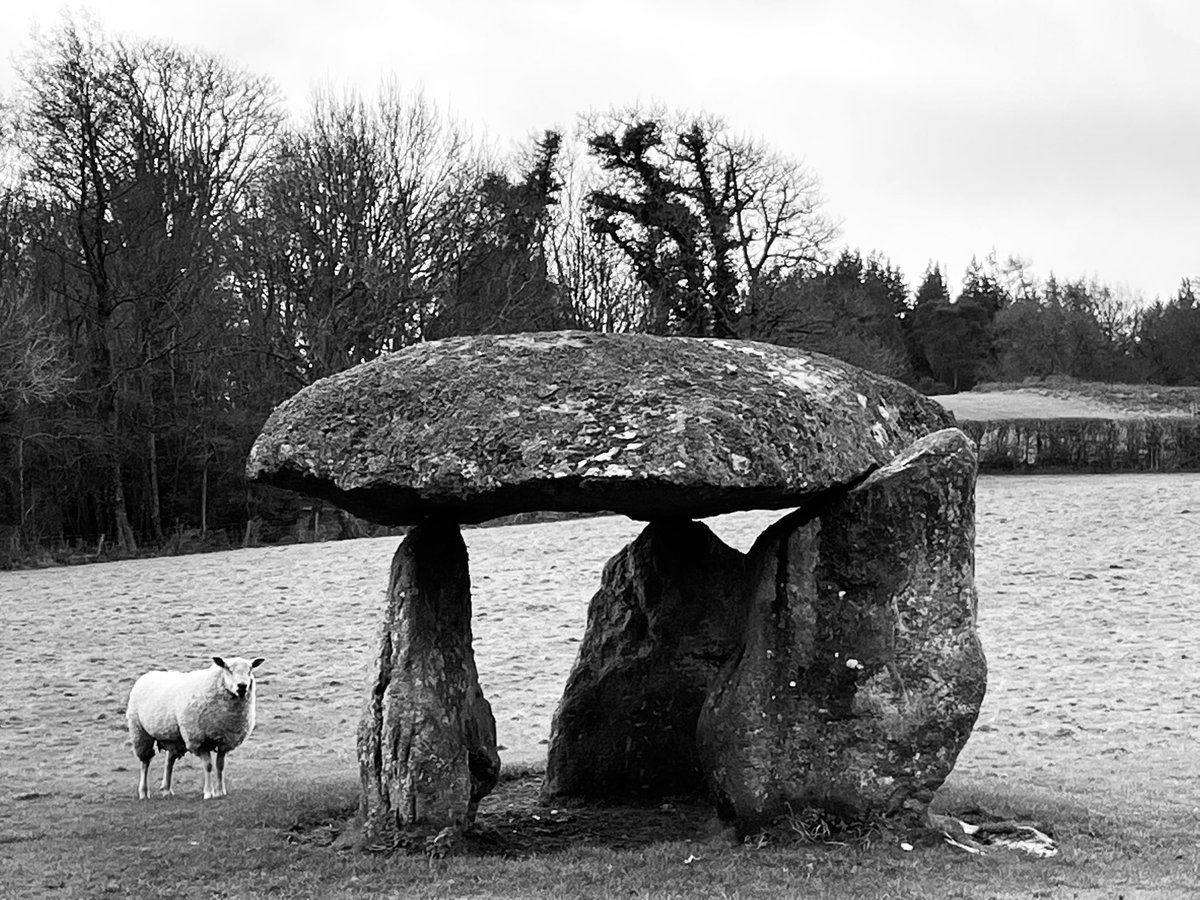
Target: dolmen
x,y
835,666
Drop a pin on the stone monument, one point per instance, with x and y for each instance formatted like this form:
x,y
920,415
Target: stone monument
x,y
835,665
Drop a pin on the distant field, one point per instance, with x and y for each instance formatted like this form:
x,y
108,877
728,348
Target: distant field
x,y
1026,405
1069,399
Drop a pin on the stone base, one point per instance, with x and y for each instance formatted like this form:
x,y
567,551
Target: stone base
x,y
427,737
666,618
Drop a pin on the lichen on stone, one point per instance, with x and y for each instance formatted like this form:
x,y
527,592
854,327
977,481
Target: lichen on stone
x,y
476,427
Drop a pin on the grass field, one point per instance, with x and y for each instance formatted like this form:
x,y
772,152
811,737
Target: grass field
x,y
1067,398
1088,614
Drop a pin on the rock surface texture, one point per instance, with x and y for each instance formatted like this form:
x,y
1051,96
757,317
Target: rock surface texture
x,y
667,617
473,428
861,673
427,737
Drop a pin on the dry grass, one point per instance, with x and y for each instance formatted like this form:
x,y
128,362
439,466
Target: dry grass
x,y
284,837
1067,398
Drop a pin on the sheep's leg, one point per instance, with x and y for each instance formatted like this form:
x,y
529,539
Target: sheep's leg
x,y
220,785
143,749
165,788
206,757
144,781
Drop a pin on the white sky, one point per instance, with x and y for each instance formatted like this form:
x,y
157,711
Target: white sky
x,y
1064,131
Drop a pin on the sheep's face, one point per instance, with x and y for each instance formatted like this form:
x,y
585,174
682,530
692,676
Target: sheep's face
x,y
238,674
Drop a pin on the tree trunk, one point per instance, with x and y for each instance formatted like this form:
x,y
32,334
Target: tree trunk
x,y
204,498
427,738
21,513
155,506
126,541
123,532
108,412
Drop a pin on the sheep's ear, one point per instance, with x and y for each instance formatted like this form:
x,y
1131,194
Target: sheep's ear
x,y
258,662
220,662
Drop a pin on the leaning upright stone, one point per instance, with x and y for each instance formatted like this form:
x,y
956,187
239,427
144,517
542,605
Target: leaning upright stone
x,y
667,617
427,737
861,673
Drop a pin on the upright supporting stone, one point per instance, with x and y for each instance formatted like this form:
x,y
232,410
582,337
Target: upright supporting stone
x,y
427,738
861,674
665,620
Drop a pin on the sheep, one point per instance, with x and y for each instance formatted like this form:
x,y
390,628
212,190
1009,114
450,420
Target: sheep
x,y
201,711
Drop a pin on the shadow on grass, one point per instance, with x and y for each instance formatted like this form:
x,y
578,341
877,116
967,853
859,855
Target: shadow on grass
x,y
293,837
512,823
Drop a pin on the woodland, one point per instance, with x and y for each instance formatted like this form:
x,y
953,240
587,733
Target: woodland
x,y
178,256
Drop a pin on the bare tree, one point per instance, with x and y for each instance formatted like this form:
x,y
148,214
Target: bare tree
x,y
200,129
34,367
362,205
597,281
146,151
779,224
69,132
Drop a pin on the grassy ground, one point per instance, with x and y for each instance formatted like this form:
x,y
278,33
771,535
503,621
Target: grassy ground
x,y
1066,398
1091,724
294,838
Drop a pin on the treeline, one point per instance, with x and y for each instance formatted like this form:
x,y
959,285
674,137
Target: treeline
x,y
176,258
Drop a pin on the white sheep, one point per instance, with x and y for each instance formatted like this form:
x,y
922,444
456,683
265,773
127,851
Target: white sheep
x,y
209,709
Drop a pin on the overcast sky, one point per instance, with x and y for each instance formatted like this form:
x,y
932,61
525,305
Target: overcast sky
x,y
1063,131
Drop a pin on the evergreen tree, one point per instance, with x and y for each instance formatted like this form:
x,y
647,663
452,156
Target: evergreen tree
x,y
932,289
1168,335
984,289
501,283
951,342
849,311
930,294
709,223
646,213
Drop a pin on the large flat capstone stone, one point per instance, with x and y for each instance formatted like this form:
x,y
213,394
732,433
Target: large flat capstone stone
x,y
473,428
